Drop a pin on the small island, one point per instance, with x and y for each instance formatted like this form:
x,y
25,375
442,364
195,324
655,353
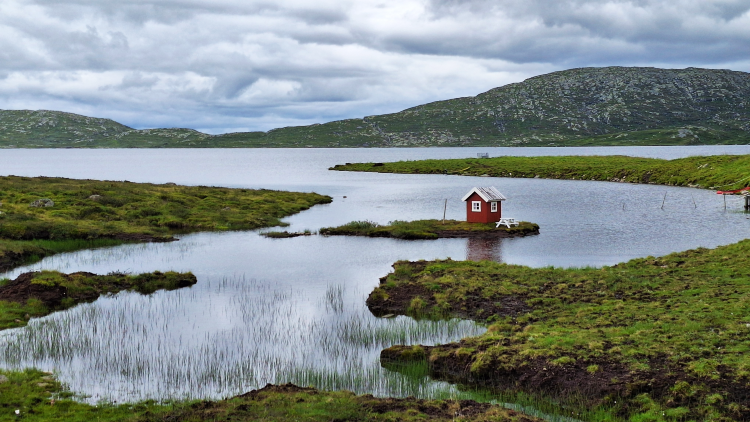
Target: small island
x,y
430,229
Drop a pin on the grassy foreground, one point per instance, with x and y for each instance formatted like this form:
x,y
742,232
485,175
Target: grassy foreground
x,y
39,397
718,171
650,339
429,229
89,213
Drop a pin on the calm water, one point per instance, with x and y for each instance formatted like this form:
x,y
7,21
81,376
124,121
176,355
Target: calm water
x,y
277,310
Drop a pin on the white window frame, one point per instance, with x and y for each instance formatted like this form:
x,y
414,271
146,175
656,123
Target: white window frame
x,y
493,207
476,206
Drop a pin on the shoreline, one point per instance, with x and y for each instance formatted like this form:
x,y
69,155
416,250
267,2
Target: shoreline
x,y
644,337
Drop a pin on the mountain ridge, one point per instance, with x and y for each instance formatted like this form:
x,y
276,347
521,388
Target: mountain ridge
x,y
583,106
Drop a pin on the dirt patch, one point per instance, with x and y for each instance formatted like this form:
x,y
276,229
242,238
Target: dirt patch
x,y
22,289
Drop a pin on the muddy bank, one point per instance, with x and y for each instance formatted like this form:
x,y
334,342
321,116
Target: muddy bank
x,y
613,385
36,294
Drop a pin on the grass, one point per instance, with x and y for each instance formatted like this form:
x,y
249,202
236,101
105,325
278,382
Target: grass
x,y
39,397
101,213
425,229
51,291
653,338
713,172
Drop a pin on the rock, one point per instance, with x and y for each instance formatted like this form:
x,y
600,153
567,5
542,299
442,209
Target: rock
x,y
95,197
3,379
226,209
44,202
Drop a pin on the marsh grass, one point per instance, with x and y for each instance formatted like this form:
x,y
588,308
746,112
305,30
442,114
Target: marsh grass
x,y
247,333
714,172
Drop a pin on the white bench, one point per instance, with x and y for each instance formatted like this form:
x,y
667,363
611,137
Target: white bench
x,y
507,222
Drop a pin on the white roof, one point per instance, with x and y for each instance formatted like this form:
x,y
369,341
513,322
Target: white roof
x,y
489,194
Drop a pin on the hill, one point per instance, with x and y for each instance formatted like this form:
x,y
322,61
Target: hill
x,y
586,106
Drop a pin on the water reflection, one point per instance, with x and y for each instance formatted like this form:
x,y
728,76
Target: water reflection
x,y
482,249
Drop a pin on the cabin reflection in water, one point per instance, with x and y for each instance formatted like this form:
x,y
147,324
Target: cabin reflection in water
x,y
478,249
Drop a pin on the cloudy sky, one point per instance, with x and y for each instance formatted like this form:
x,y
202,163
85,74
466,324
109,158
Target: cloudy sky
x,y
235,65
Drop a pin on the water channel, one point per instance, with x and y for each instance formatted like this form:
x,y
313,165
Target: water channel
x,y
292,310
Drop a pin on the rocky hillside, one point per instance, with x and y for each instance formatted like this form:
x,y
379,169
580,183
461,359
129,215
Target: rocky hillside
x,y
587,106
595,106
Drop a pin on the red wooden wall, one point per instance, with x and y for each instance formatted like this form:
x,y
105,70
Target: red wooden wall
x,y
483,216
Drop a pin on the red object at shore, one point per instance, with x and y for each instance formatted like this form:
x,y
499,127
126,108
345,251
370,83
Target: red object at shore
x,y
732,192
483,205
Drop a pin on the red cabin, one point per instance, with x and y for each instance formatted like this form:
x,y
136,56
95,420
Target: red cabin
x,y
483,205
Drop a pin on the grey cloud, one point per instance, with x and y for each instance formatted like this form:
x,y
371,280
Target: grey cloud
x,y
630,30
229,64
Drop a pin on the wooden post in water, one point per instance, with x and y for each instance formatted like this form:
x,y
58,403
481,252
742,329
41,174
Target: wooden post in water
x,y
747,203
445,207
663,200
725,201
691,196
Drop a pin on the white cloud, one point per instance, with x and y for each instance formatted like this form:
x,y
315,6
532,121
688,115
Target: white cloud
x,y
235,65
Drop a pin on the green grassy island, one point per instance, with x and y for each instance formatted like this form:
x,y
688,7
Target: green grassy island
x,y
647,340
37,294
712,172
40,216
429,229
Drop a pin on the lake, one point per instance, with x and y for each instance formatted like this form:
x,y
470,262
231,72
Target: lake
x,y
278,310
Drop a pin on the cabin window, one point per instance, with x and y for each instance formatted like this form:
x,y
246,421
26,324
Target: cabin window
x,y
476,206
493,207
